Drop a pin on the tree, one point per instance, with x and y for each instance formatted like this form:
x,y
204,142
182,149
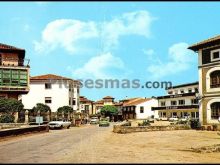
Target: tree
x,y
7,118
10,106
109,110
42,108
65,109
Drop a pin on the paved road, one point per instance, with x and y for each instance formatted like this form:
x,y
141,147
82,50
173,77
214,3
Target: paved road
x,y
50,147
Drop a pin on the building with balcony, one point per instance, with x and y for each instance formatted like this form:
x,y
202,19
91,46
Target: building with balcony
x,y
209,79
85,105
180,102
108,100
14,72
54,91
138,108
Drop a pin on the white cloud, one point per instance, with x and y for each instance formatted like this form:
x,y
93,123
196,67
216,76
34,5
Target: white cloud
x,y
180,59
133,23
65,33
70,34
100,66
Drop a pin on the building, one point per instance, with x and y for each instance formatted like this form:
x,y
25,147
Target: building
x,y
86,105
180,102
108,100
14,72
97,106
138,108
209,79
54,91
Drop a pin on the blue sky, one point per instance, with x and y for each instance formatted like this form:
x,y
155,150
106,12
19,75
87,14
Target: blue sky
x,y
111,40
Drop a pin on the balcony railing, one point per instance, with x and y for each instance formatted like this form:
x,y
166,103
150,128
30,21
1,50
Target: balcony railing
x,y
215,85
14,62
175,107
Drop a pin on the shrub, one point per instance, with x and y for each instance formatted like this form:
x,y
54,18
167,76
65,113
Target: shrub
x,y
195,124
144,123
65,109
7,118
10,105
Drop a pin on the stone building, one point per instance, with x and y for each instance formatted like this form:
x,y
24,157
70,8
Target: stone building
x,y
209,79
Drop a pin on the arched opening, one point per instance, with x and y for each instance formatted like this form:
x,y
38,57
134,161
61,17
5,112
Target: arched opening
x,y
215,110
215,79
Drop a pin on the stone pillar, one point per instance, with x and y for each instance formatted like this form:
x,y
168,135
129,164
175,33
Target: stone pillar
x,y
48,116
56,115
26,117
38,113
68,116
16,117
62,115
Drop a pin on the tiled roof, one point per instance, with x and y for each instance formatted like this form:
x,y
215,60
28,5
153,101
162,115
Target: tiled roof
x,y
84,99
108,97
184,85
4,46
136,101
204,43
99,102
49,76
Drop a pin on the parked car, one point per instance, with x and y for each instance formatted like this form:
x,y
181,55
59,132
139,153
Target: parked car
x,y
104,122
174,118
59,124
94,120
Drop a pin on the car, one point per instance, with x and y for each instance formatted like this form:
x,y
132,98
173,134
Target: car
x,y
94,120
59,124
174,118
104,122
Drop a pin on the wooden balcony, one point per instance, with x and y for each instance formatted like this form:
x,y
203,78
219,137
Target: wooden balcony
x,y
175,107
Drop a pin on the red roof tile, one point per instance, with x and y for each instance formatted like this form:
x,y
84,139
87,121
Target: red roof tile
x,y
4,46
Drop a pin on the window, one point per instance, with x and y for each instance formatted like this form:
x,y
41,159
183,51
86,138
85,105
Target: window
x,y
181,102
196,90
190,90
194,101
48,86
173,102
69,101
174,114
74,102
182,91
170,92
215,79
77,90
48,100
164,114
163,103
215,55
193,115
215,110
141,109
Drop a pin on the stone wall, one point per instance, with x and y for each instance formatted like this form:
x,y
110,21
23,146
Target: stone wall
x,y
129,129
12,125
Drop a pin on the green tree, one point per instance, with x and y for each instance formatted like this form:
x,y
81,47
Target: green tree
x,y
65,109
7,118
109,110
10,106
41,107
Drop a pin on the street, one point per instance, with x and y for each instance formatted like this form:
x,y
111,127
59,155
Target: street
x,y
49,147
93,144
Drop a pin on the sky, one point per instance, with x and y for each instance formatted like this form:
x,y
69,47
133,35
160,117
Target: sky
x,y
111,40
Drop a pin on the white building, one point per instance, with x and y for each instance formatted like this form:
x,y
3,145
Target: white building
x,y
52,90
138,108
180,102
